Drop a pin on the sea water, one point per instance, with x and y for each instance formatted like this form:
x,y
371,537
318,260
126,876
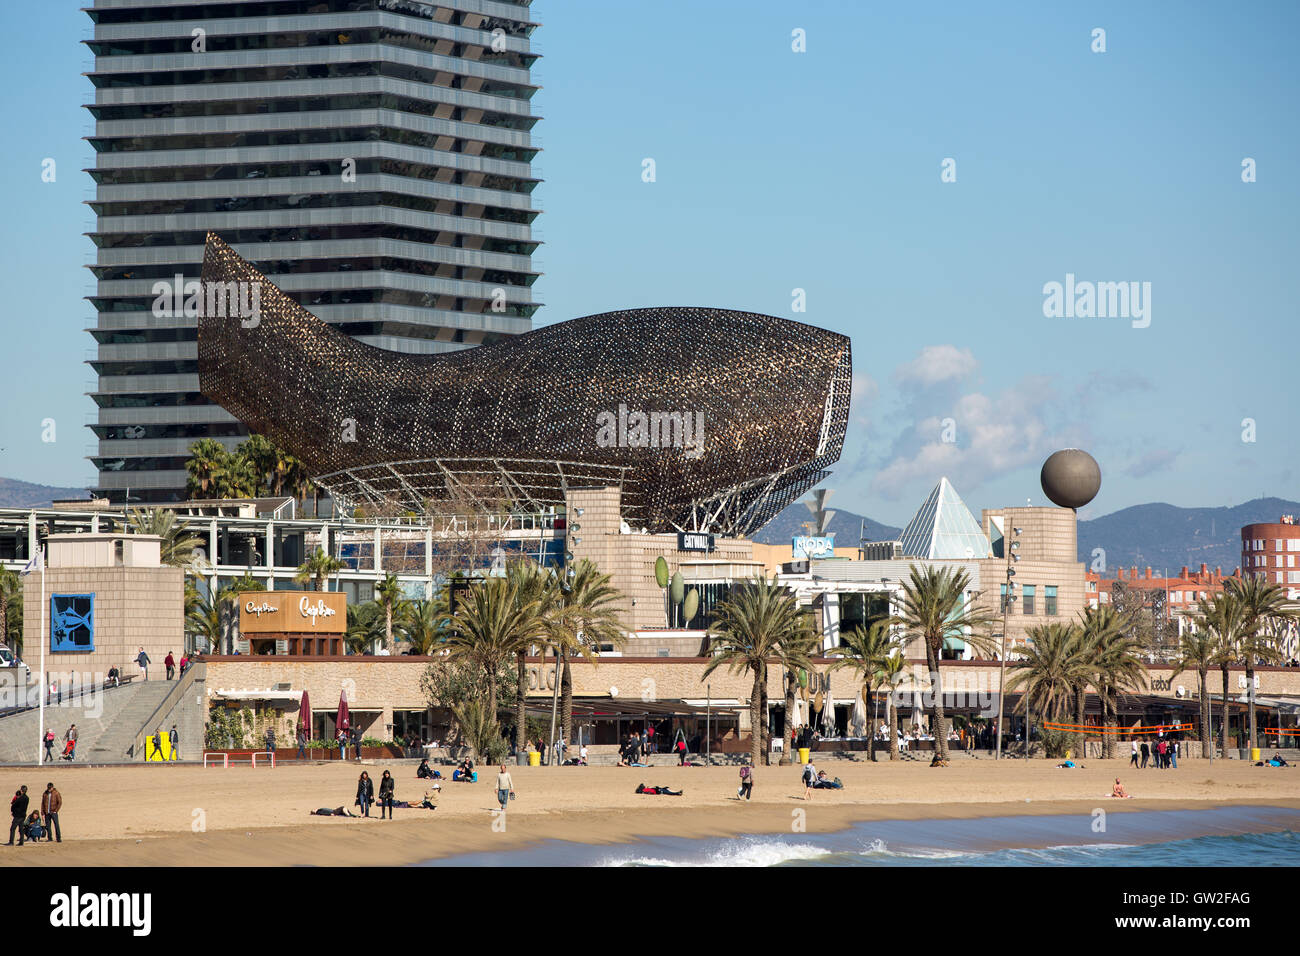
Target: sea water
x,y
1223,836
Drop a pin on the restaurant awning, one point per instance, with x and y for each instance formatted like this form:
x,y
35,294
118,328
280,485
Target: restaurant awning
x,y
284,696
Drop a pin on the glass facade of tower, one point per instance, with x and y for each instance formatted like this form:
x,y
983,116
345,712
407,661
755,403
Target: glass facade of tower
x,y
371,157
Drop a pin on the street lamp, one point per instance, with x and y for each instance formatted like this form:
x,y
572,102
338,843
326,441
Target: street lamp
x,y
1008,597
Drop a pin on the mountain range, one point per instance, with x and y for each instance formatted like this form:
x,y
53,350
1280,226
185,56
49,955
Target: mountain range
x,y
1162,536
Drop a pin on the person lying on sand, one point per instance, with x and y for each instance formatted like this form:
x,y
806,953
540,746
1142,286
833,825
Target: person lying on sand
x,y
824,782
660,791
1118,791
336,812
1070,765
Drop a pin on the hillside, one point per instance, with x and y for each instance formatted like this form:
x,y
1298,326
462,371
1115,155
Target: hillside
x,y
26,494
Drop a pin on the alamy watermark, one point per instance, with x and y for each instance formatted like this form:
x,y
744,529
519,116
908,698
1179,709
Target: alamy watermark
x,y
633,428
1098,300
235,300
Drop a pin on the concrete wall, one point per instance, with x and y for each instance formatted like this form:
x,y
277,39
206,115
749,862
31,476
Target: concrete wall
x,y
134,607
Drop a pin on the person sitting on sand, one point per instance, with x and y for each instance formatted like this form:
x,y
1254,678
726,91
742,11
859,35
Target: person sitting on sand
x,y
1277,761
425,772
430,801
1118,791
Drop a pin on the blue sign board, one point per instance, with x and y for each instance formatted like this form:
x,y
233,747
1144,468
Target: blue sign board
x,y
72,623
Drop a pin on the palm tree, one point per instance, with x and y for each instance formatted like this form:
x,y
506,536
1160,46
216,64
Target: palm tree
x,y
1223,617
204,466
1198,650
10,585
365,626
934,608
203,621
489,625
317,568
751,624
228,606
1051,670
795,654
892,676
536,589
13,635
1262,605
425,623
1116,663
176,550
586,617
865,652
392,598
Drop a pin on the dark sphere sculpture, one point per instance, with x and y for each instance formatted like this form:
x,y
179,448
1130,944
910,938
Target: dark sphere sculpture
x,y
1071,478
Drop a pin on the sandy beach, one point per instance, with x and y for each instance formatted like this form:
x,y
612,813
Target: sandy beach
x,y
158,815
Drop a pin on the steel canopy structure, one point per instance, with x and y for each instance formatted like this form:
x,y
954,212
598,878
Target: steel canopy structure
x,y
705,419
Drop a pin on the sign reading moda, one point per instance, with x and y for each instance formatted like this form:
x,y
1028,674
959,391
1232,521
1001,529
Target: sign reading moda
x,y
293,612
807,546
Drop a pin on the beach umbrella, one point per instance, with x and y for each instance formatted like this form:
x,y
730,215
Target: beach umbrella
x,y
828,717
341,719
858,722
304,714
796,716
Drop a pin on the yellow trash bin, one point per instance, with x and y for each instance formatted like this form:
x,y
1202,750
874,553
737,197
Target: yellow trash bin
x,y
1254,755
534,759
803,754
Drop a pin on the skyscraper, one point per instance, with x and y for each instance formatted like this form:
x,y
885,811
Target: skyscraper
x,y
372,157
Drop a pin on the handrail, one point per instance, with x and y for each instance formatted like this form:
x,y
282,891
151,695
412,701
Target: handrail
x,y
173,696
67,698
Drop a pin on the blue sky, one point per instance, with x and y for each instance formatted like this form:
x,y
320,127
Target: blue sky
x,y
820,170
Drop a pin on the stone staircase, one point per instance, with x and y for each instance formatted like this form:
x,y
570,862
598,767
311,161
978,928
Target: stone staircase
x,y
102,722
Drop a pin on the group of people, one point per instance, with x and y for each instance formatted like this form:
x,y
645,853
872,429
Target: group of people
x,y
143,661
346,737
366,794
387,797
69,744
42,824
638,747
1164,752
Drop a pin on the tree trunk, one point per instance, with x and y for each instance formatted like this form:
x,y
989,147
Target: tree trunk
x,y
1202,676
871,731
937,718
566,699
388,624
766,737
893,732
791,682
1080,708
521,705
755,725
1250,696
1223,671
1110,709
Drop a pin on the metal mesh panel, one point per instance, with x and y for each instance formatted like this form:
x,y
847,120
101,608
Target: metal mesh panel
x,y
520,422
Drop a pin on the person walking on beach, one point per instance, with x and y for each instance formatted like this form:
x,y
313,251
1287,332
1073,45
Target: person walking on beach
x,y
169,662
505,787
365,793
809,778
386,784
49,746
18,810
1146,754
51,804
143,660
174,738
302,744
1133,753
746,781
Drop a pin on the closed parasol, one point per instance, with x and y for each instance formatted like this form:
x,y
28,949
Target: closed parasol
x,y
858,722
304,715
341,719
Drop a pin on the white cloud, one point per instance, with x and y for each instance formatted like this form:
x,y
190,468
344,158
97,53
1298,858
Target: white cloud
x,y
936,364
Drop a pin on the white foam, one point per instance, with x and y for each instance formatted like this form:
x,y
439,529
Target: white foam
x,y
745,852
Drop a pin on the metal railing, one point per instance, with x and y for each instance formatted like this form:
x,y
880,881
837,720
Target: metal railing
x,y
167,704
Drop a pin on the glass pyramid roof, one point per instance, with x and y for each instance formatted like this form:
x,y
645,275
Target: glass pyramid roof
x,y
943,527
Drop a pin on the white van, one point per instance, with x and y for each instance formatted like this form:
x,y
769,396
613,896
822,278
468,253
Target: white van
x,y
7,659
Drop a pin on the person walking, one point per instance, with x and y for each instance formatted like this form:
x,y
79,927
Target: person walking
x,y
302,744
681,751
386,783
174,738
49,746
746,781
505,787
143,660
356,744
1146,754
18,811
270,743
343,744
70,736
1133,753
169,662
51,804
365,793
809,778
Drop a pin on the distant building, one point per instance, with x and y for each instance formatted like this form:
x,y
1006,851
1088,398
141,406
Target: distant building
x,y
1182,591
1273,550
